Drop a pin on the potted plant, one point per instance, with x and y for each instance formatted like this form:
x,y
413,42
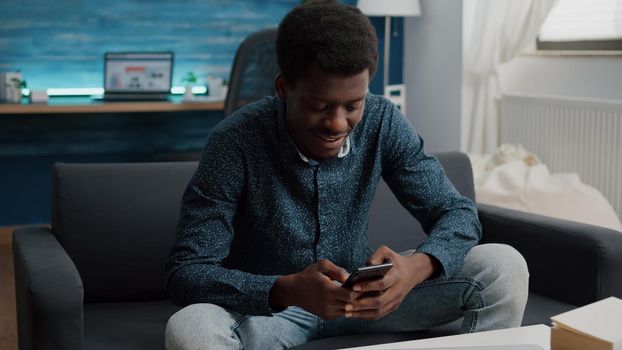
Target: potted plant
x,y
11,85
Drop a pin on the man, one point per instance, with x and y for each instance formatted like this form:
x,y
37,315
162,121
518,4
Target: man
x,y
276,213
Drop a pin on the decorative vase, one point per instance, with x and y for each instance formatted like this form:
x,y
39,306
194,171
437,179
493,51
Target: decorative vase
x,y
188,95
9,92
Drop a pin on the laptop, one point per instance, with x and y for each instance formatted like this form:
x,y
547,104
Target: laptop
x,y
137,76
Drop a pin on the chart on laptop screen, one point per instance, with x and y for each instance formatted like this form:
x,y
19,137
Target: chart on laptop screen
x,y
138,72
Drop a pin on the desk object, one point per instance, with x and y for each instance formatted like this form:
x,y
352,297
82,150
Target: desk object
x,y
597,326
38,96
511,338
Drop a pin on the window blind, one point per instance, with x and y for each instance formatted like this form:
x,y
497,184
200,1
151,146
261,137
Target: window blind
x,y
583,20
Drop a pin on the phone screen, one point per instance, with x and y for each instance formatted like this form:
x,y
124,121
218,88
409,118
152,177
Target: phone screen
x,y
367,273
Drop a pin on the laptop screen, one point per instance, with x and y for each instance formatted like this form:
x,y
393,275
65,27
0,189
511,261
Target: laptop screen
x,y
138,72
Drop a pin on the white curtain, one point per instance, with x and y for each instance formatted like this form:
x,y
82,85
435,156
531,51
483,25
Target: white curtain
x,y
495,31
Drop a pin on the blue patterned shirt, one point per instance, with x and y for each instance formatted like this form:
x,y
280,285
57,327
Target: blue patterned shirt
x,y
254,210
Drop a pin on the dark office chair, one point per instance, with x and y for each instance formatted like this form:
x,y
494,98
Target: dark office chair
x,y
252,77
253,71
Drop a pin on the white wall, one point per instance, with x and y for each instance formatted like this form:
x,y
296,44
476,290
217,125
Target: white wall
x,y
433,73
598,77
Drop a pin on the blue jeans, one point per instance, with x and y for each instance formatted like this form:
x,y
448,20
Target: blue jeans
x,y
489,291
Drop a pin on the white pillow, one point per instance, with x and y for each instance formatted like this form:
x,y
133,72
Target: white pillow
x,y
515,179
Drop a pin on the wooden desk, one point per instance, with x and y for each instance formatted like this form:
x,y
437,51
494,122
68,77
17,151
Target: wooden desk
x,y
81,125
82,105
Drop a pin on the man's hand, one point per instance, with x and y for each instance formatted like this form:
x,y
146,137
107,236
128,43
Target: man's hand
x,y
385,295
314,290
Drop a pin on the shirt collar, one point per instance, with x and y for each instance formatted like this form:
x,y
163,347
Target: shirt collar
x,y
345,149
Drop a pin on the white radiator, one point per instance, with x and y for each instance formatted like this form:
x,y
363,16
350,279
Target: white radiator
x,y
570,135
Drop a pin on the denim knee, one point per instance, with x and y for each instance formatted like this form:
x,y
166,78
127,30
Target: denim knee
x,y
504,271
201,326
501,263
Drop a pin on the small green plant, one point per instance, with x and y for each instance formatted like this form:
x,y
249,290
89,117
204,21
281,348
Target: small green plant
x,y
18,86
19,83
189,78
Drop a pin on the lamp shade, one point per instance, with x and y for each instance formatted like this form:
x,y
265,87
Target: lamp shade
x,y
393,8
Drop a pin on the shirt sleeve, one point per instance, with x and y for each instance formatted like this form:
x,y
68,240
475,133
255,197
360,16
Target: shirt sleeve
x,y
419,183
204,234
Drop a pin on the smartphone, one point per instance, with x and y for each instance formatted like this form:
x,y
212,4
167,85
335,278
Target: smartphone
x,y
367,273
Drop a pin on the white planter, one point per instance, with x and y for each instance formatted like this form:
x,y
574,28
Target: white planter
x,y
14,95
216,87
188,95
8,91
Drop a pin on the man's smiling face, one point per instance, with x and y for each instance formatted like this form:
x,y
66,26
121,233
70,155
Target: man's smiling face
x,y
322,109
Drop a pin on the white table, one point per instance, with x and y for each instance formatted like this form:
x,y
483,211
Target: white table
x,y
538,335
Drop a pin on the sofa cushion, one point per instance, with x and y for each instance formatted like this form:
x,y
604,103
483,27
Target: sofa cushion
x,y
540,309
117,223
126,325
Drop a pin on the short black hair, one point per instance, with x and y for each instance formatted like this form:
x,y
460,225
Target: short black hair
x,y
337,37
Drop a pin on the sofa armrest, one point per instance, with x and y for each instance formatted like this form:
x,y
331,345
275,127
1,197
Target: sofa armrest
x,y
48,290
572,262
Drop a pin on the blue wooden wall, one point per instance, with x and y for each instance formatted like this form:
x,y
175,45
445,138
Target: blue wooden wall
x,y
61,44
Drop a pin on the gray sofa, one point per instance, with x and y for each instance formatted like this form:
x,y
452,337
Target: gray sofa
x,y
95,280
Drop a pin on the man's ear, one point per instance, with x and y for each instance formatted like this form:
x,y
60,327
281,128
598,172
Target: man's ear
x,y
280,84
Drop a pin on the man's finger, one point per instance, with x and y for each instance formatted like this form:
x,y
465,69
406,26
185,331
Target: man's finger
x,y
381,255
345,294
372,314
372,302
333,271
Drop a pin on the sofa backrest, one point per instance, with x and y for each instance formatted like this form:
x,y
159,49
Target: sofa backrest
x,y
117,223
392,225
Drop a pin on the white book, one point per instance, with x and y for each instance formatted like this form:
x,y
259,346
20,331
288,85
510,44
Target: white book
x,y
597,325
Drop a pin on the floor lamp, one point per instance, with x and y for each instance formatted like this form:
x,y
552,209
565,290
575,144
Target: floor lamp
x,y
388,9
